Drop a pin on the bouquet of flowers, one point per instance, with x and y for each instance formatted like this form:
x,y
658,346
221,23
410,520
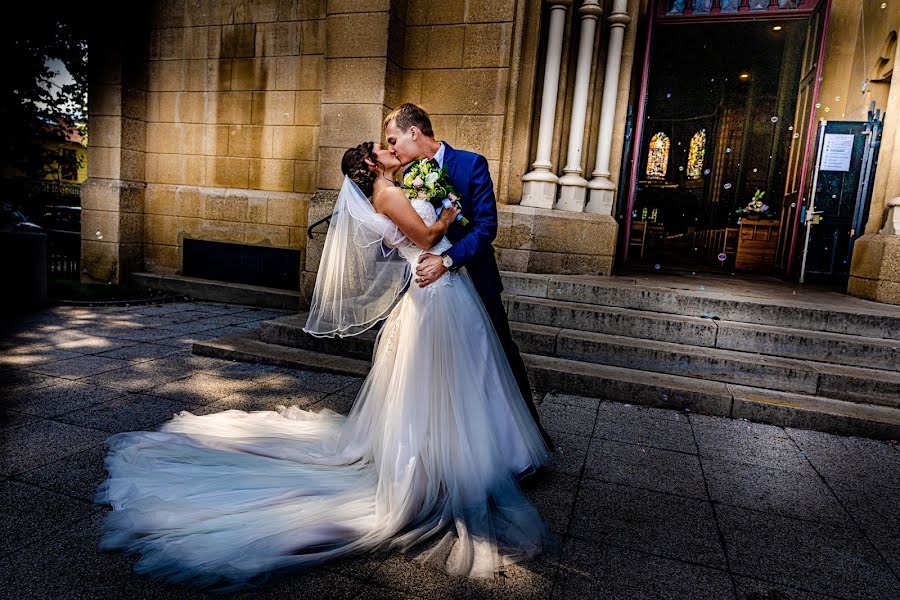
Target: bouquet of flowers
x,y
425,181
756,207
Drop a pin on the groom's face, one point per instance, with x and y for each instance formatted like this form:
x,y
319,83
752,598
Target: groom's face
x,y
402,144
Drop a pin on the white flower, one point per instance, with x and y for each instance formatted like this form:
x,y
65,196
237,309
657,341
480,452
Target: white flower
x,y
431,177
417,182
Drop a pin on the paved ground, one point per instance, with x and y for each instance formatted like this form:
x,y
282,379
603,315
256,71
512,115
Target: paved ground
x,y
646,503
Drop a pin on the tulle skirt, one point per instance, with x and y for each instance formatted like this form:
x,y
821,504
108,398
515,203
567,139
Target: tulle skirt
x,y
429,452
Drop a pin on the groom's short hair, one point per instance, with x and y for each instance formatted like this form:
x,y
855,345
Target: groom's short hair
x,y
409,115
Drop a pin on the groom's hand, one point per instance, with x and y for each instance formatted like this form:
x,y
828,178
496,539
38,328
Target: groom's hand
x,y
429,269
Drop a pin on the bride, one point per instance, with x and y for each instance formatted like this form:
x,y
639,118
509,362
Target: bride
x,y
431,450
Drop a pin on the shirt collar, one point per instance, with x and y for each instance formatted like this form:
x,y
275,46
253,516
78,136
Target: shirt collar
x,y
439,155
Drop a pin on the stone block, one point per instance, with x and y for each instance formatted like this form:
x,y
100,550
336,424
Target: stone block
x,y
105,99
106,131
356,35
194,170
195,43
228,171
295,143
411,87
232,108
393,84
161,229
222,207
222,231
198,73
257,207
252,73
272,174
99,261
273,108
190,107
278,39
487,45
216,140
434,47
307,108
354,80
237,41
287,210
482,134
481,11
104,163
357,6
423,12
166,75
218,74
162,259
268,235
305,176
466,92
259,11
160,200
187,201
250,141
329,167
347,125
312,37
171,43
297,237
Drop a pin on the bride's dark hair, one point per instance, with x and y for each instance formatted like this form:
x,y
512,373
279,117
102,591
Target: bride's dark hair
x,y
354,166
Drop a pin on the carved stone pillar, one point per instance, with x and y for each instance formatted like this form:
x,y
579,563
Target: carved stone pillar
x,y
539,189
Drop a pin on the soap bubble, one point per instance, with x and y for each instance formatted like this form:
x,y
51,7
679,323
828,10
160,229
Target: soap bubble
x,y
774,119
818,105
669,95
827,109
656,266
706,171
728,150
722,256
754,170
837,98
99,235
681,168
796,135
727,186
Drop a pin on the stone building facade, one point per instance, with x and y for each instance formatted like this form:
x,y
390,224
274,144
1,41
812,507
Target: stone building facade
x,y
226,120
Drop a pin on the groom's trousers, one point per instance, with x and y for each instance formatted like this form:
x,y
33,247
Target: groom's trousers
x,y
494,306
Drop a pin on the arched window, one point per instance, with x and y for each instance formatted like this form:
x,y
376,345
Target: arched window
x,y
658,158
695,155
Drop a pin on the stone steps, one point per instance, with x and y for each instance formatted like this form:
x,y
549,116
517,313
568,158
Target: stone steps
x,y
872,386
220,291
804,344
617,383
856,317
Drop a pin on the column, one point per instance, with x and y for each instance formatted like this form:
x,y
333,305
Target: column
x,y
539,188
602,189
573,186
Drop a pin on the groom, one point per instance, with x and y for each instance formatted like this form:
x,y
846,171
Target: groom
x,y
409,137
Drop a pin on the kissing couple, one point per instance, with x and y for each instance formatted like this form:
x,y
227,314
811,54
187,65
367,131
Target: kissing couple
x,y
442,430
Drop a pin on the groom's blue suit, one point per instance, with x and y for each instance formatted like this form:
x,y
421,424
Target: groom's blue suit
x,y
472,249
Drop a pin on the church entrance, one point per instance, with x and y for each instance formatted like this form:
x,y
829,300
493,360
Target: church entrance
x,y
721,141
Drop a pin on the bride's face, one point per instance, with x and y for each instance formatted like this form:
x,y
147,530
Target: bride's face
x,y
384,156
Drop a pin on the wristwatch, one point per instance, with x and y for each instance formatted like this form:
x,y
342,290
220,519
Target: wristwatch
x,y
448,262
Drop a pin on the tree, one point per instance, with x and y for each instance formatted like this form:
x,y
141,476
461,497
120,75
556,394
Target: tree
x,y
35,109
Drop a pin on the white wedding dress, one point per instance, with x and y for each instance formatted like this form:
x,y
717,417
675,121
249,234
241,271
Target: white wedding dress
x,y
430,451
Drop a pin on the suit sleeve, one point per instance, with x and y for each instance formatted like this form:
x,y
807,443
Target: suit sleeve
x,y
482,220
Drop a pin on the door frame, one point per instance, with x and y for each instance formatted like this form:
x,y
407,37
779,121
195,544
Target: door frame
x,y
657,17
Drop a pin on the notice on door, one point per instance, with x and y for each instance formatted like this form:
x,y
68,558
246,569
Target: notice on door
x,y
836,152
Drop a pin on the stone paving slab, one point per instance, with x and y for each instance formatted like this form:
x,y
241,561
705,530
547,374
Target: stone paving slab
x,y
641,502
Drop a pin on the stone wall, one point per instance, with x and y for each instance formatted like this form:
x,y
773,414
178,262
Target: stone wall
x,y
233,115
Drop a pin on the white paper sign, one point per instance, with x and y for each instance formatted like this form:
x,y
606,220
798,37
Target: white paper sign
x,y
836,152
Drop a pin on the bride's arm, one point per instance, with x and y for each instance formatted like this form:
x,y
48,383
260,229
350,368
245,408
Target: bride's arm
x,y
396,206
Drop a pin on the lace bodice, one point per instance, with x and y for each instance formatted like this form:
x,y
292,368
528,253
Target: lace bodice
x,y
426,211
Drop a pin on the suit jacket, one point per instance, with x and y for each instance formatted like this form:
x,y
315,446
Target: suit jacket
x,y
472,249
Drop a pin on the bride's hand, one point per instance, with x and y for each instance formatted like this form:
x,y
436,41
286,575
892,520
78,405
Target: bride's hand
x,y
448,215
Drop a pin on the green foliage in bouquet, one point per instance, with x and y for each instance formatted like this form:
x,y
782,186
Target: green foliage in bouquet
x,y
756,207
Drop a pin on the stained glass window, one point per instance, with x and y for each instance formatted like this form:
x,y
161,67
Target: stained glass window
x,y
695,155
658,158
